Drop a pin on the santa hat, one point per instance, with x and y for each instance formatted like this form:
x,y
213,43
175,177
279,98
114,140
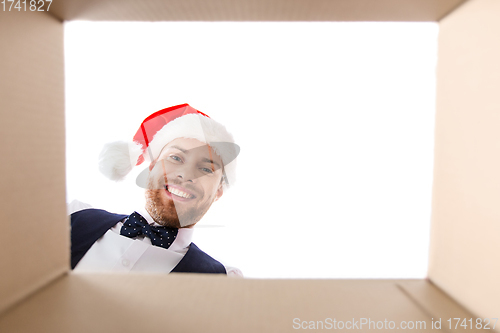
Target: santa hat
x,y
118,158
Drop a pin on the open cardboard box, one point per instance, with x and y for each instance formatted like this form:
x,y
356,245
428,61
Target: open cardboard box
x,y
39,294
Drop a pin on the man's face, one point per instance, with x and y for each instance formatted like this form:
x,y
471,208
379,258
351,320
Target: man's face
x,y
184,182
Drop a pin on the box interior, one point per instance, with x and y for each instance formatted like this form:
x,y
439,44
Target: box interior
x,y
37,284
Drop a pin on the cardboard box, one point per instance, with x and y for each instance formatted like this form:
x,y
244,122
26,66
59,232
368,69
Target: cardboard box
x,y
38,293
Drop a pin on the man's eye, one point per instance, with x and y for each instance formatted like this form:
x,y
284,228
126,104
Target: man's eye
x,y
207,170
176,158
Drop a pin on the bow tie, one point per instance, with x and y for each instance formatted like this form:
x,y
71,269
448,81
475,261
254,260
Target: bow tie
x,y
136,225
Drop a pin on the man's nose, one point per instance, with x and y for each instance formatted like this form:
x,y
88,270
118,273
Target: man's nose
x,y
186,174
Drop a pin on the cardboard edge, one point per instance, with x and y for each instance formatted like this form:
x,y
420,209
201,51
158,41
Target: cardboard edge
x,y
451,11
436,303
55,16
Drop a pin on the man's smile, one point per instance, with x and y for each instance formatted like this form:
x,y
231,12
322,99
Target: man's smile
x,y
178,193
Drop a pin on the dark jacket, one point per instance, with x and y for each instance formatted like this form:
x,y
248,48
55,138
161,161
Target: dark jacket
x,y
88,225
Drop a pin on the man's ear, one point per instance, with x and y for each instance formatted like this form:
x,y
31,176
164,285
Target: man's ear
x,y
219,192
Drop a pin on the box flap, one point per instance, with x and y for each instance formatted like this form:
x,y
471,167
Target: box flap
x,y
465,227
204,303
256,10
35,230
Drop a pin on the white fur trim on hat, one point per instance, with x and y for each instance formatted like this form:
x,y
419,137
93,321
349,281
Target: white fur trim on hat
x,y
118,158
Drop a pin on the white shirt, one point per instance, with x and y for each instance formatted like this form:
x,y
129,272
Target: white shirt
x,y
116,253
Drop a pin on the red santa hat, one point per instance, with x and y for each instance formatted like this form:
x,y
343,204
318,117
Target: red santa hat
x,y
118,158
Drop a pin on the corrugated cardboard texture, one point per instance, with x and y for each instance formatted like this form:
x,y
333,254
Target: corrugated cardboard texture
x,y
34,238
465,246
255,10
197,303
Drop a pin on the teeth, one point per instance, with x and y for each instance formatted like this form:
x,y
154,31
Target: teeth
x,y
179,193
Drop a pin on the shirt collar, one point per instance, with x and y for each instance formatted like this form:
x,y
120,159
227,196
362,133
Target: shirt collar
x,y
184,235
144,213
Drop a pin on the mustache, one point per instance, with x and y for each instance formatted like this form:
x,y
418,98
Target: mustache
x,y
160,184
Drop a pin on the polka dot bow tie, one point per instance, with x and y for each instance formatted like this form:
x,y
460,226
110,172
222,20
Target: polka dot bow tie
x,y
136,225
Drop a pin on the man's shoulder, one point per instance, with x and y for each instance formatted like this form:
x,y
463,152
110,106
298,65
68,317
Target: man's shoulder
x,y
90,213
93,220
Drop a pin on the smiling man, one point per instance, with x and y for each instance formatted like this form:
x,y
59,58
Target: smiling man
x,y
172,200
191,164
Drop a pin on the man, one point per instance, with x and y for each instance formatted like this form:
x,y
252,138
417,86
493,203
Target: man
x,y
191,163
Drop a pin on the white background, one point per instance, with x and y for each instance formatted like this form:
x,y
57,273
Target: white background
x,y
335,122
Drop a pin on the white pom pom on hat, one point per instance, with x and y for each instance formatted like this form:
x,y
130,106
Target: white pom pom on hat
x,y
118,158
